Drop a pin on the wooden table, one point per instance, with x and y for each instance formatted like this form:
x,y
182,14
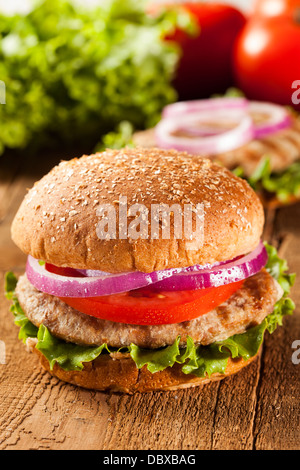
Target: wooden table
x,y
259,408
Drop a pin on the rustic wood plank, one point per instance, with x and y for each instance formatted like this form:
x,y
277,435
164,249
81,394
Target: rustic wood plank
x,y
11,258
277,420
165,420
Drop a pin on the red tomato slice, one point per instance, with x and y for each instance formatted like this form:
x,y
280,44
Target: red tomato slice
x,y
144,307
62,271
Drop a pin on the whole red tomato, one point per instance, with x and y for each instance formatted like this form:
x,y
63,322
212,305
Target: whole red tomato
x,y
205,65
267,59
275,8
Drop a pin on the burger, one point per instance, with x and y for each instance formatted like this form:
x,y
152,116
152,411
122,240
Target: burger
x,y
122,294
256,140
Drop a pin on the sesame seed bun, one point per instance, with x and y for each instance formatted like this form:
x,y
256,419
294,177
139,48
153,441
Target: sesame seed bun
x,y
57,221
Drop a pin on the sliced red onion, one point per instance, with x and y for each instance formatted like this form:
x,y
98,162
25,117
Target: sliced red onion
x,y
278,118
192,277
231,271
66,286
191,117
186,107
228,140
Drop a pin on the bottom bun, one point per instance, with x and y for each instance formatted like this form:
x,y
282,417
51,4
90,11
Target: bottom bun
x,y
118,373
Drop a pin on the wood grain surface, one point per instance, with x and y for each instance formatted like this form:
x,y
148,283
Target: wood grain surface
x,y
259,408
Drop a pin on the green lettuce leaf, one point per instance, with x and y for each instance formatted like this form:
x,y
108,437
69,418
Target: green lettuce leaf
x,y
244,345
10,283
205,360
200,361
68,356
121,137
283,184
72,74
27,329
155,360
278,267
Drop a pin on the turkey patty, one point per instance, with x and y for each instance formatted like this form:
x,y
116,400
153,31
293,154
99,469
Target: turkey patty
x,y
246,308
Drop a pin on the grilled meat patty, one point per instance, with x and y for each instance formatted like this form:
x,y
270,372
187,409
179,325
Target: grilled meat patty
x,y
282,148
247,307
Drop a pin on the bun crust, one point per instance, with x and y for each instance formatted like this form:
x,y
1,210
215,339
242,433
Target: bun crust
x,y
119,374
57,220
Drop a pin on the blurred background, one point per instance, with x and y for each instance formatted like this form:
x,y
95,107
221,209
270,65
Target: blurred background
x,y
87,74
25,5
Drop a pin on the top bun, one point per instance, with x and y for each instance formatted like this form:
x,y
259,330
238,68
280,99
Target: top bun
x,y
57,221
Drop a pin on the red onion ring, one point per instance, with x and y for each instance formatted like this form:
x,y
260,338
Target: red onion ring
x,y
278,120
66,286
231,271
193,277
186,115
212,104
219,143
